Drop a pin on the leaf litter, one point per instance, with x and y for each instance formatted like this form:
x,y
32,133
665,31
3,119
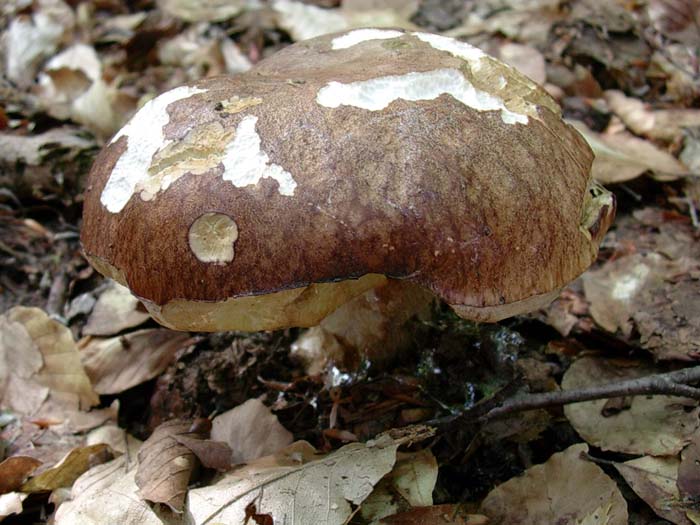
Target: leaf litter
x,y
628,72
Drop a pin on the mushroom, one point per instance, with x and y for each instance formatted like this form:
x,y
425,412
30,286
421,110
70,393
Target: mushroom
x,y
271,198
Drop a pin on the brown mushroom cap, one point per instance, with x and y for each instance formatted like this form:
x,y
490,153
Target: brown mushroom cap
x,y
270,198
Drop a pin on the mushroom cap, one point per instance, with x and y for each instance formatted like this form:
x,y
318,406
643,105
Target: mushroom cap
x,y
270,198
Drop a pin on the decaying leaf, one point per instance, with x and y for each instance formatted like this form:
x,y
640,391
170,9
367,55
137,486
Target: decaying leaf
x,y
620,157
293,486
119,363
116,309
565,489
656,425
113,436
29,39
662,124
69,469
688,482
304,21
653,294
654,480
165,465
42,366
29,164
14,470
251,430
409,484
297,483
204,10
435,515
677,19
72,86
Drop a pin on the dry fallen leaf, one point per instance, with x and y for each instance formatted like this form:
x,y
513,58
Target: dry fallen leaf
x,y
14,470
620,157
69,468
292,486
297,483
71,86
166,465
29,40
116,309
435,515
45,373
677,19
656,425
303,21
662,124
652,295
654,480
11,503
565,489
251,430
409,484
204,10
119,363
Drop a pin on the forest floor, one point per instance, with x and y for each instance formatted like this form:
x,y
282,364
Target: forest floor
x,y
106,417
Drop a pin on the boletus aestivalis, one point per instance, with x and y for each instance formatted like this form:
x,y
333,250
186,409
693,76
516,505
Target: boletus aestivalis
x,y
271,198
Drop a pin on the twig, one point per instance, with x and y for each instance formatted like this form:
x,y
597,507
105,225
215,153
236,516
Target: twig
x,y
671,384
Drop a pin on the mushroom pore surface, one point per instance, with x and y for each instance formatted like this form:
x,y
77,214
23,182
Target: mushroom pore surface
x,y
270,198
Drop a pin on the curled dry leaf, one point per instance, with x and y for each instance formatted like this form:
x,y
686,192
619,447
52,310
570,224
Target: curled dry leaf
x,y
119,363
435,515
116,309
662,124
656,425
654,480
620,157
166,465
251,430
71,86
69,469
14,470
565,489
409,484
42,365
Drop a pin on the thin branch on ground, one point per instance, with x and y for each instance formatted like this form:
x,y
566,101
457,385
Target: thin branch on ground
x,y
670,384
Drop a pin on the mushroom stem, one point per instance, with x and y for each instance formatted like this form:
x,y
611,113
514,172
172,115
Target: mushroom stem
x,y
372,327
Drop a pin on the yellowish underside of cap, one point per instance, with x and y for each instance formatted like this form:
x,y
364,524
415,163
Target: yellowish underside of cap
x,y
492,314
301,307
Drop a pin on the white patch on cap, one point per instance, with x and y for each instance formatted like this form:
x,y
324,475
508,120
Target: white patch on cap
x,y
363,35
211,238
455,47
377,93
245,163
145,137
